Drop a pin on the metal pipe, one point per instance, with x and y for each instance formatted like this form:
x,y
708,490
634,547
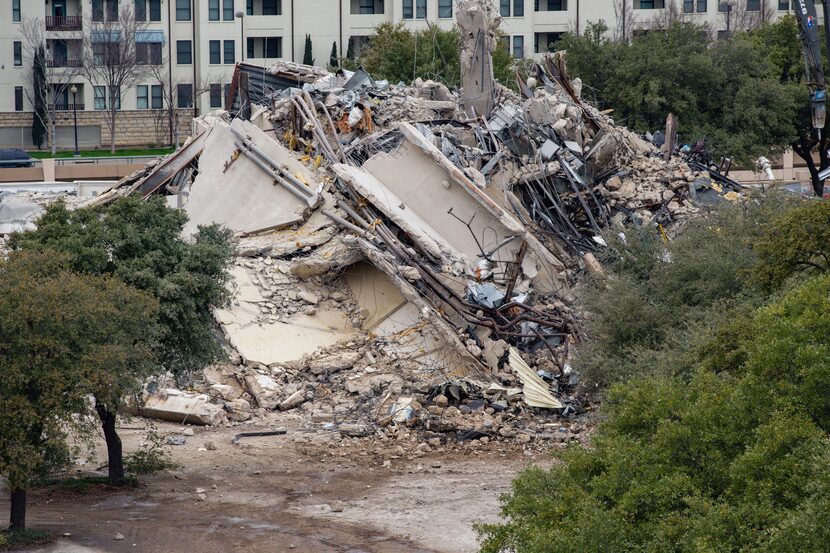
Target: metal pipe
x,y
341,221
352,213
311,202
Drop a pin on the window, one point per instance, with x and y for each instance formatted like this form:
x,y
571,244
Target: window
x,y
184,52
17,46
420,9
518,46
100,96
142,100
366,7
156,98
182,10
518,8
271,7
249,7
783,5
688,6
227,10
407,9
724,7
545,42
723,35
148,53
445,9
249,48
18,98
273,47
115,97
701,6
215,47
16,11
112,10
649,5
97,10
213,10
155,10
753,5
504,8
230,52
184,95
216,95
140,10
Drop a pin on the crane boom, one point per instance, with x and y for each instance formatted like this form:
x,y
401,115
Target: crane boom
x,y
805,13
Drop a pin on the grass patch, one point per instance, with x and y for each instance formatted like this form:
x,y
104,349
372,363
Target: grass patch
x,y
45,154
11,540
83,484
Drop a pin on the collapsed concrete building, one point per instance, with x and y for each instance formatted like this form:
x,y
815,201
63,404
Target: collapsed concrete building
x,y
405,254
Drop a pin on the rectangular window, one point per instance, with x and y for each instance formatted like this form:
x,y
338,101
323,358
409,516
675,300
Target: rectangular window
x,y
213,10
271,7
227,10
783,5
366,7
249,7
216,95
155,53
723,7
140,10
753,5
157,97
112,10
155,10
16,11
142,100
184,52
445,9
184,95
97,10
701,6
115,97
688,6
100,96
518,8
650,5
230,52
215,47
249,48
18,98
17,46
518,46
407,12
504,8
273,47
420,9
182,10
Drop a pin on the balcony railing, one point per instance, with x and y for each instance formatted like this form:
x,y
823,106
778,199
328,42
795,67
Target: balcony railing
x,y
65,63
64,22
67,107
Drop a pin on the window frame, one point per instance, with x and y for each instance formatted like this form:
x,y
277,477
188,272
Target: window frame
x,y
16,11
17,53
227,8
217,44
520,40
213,88
18,98
139,96
189,96
518,8
140,14
155,9
421,7
505,7
214,11
99,97
154,96
442,9
408,9
181,9
225,52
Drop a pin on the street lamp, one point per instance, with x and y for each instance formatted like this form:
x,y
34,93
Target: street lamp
x,y
241,16
729,4
74,91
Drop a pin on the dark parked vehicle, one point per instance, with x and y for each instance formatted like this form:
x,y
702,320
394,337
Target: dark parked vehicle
x,y
15,157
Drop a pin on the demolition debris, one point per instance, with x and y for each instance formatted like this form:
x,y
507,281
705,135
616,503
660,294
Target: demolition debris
x,y
404,252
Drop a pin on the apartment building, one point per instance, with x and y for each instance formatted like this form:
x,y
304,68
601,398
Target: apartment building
x,y
203,39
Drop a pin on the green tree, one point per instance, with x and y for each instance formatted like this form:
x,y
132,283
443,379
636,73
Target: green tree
x,y
140,243
59,330
732,460
308,55
334,61
39,96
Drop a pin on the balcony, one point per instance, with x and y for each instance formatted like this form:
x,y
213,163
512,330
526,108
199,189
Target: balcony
x,y
65,63
66,107
64,22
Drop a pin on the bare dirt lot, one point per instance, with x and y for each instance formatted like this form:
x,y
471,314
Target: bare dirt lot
x,y
295,492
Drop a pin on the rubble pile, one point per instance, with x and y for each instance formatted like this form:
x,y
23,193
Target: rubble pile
x,y
405,251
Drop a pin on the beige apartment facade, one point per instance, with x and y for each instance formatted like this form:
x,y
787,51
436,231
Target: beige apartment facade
x,y
199,41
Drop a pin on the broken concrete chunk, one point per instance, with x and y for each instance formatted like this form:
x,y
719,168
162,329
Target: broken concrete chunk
x,y
184,408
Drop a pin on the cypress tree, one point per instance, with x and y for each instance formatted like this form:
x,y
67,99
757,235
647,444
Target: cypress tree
x,y
39,95
307,57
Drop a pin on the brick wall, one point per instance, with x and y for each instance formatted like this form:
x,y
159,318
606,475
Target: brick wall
x,y
133,128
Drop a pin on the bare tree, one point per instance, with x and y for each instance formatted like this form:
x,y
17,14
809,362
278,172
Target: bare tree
x,y
111,59
172,104
671,13
59,75
624,20
743,15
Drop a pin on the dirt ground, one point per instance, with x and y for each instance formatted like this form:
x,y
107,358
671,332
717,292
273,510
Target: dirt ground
x,y
295,492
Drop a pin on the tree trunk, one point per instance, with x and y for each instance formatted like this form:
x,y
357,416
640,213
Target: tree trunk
x,y
52,135
17,518
112,132
115,457
804,149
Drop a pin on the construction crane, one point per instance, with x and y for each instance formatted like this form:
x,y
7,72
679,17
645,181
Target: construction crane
x,y
805,13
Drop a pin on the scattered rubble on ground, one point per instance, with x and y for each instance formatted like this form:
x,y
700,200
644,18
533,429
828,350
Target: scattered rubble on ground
x,y
404,253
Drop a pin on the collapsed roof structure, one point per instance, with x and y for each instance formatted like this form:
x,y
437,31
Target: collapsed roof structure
x,y
405,253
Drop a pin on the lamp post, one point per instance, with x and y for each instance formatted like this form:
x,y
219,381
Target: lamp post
x,y
74,91
729,4
241,16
